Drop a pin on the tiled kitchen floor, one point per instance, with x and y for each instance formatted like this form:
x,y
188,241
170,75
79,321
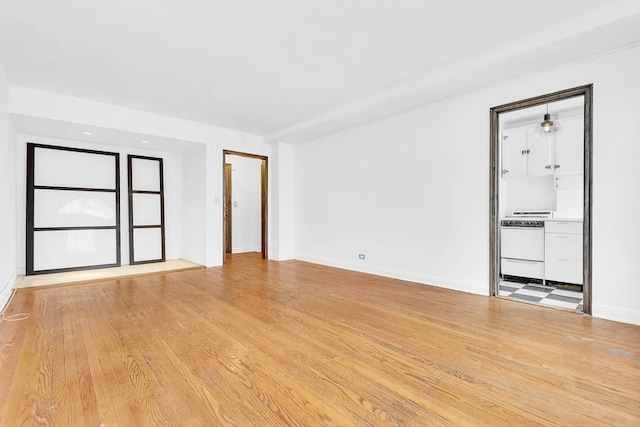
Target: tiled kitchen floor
x,y
540,294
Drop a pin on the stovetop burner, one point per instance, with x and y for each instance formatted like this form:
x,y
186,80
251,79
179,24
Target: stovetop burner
x,y
534,219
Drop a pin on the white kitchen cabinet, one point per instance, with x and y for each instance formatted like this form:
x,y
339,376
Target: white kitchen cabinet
x,y
523,154
539,155
563,251
514,142
522,268
569,148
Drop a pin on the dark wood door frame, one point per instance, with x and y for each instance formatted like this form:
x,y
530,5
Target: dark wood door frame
x,y
264,185
228,209
494,227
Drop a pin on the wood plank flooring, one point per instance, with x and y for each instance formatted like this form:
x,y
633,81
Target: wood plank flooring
x,y
264,343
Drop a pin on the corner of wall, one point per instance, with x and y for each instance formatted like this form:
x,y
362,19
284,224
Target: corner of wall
x,y
5,293
8,233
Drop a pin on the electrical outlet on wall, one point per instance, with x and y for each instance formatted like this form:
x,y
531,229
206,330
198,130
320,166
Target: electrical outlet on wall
x,y
360,256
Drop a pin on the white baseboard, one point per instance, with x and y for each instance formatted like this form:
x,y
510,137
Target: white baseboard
x,y
5,293
440,282
599,311
280,257
618,314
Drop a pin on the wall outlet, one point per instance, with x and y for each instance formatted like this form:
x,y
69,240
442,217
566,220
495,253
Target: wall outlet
x,y
360,256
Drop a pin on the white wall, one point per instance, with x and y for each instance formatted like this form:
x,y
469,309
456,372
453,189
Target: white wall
x,y
411,192
246,201
283,206
7,196
173,177
194,206
531,193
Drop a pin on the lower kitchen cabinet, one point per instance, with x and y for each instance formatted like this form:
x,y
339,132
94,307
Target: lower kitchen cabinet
x,y
563,251
522,268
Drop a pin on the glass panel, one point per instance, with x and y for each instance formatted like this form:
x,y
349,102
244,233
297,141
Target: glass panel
x,y
60,208
145,175
61,168
74,248
146,209
147,244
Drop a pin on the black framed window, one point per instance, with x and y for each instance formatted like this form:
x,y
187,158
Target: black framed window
x,y
146,209
73,209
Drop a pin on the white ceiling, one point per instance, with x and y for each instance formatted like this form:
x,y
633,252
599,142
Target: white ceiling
x,y
277,67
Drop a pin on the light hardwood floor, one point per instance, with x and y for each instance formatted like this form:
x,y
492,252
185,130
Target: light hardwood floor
x,y
261,343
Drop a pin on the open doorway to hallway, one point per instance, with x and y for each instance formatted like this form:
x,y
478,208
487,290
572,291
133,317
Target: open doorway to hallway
x,y
245,203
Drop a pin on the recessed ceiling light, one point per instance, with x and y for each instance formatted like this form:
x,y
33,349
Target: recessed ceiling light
x,y
144,141
86,133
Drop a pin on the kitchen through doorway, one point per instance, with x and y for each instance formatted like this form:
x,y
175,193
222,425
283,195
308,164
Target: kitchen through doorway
x,y
541,195
245,203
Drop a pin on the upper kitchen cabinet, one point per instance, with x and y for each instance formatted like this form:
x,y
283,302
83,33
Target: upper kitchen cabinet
x,y
514,143
569,147
539,158
543,140
523,154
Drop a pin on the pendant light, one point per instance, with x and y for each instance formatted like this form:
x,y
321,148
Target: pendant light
x,y
547,127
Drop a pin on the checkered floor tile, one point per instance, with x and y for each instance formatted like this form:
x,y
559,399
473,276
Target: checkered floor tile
x,y
541,294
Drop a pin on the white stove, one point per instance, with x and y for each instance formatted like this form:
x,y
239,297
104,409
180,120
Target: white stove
x,y
522,244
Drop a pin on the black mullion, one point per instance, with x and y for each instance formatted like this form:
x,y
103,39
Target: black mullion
x,y
130,191
73,149
87,227
80,268
52,187
162,234
30,208
118,237
145,192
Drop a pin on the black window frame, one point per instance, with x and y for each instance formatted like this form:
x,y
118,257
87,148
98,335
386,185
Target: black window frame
x,y
30,217
131,192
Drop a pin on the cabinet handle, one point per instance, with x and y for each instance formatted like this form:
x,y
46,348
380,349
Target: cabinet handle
x,y
525,261
548,167
562,237
562,259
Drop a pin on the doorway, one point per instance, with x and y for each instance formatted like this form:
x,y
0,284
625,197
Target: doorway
x,y
541,199
256,184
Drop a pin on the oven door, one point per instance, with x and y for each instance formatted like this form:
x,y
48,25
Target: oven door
x,y
525,243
